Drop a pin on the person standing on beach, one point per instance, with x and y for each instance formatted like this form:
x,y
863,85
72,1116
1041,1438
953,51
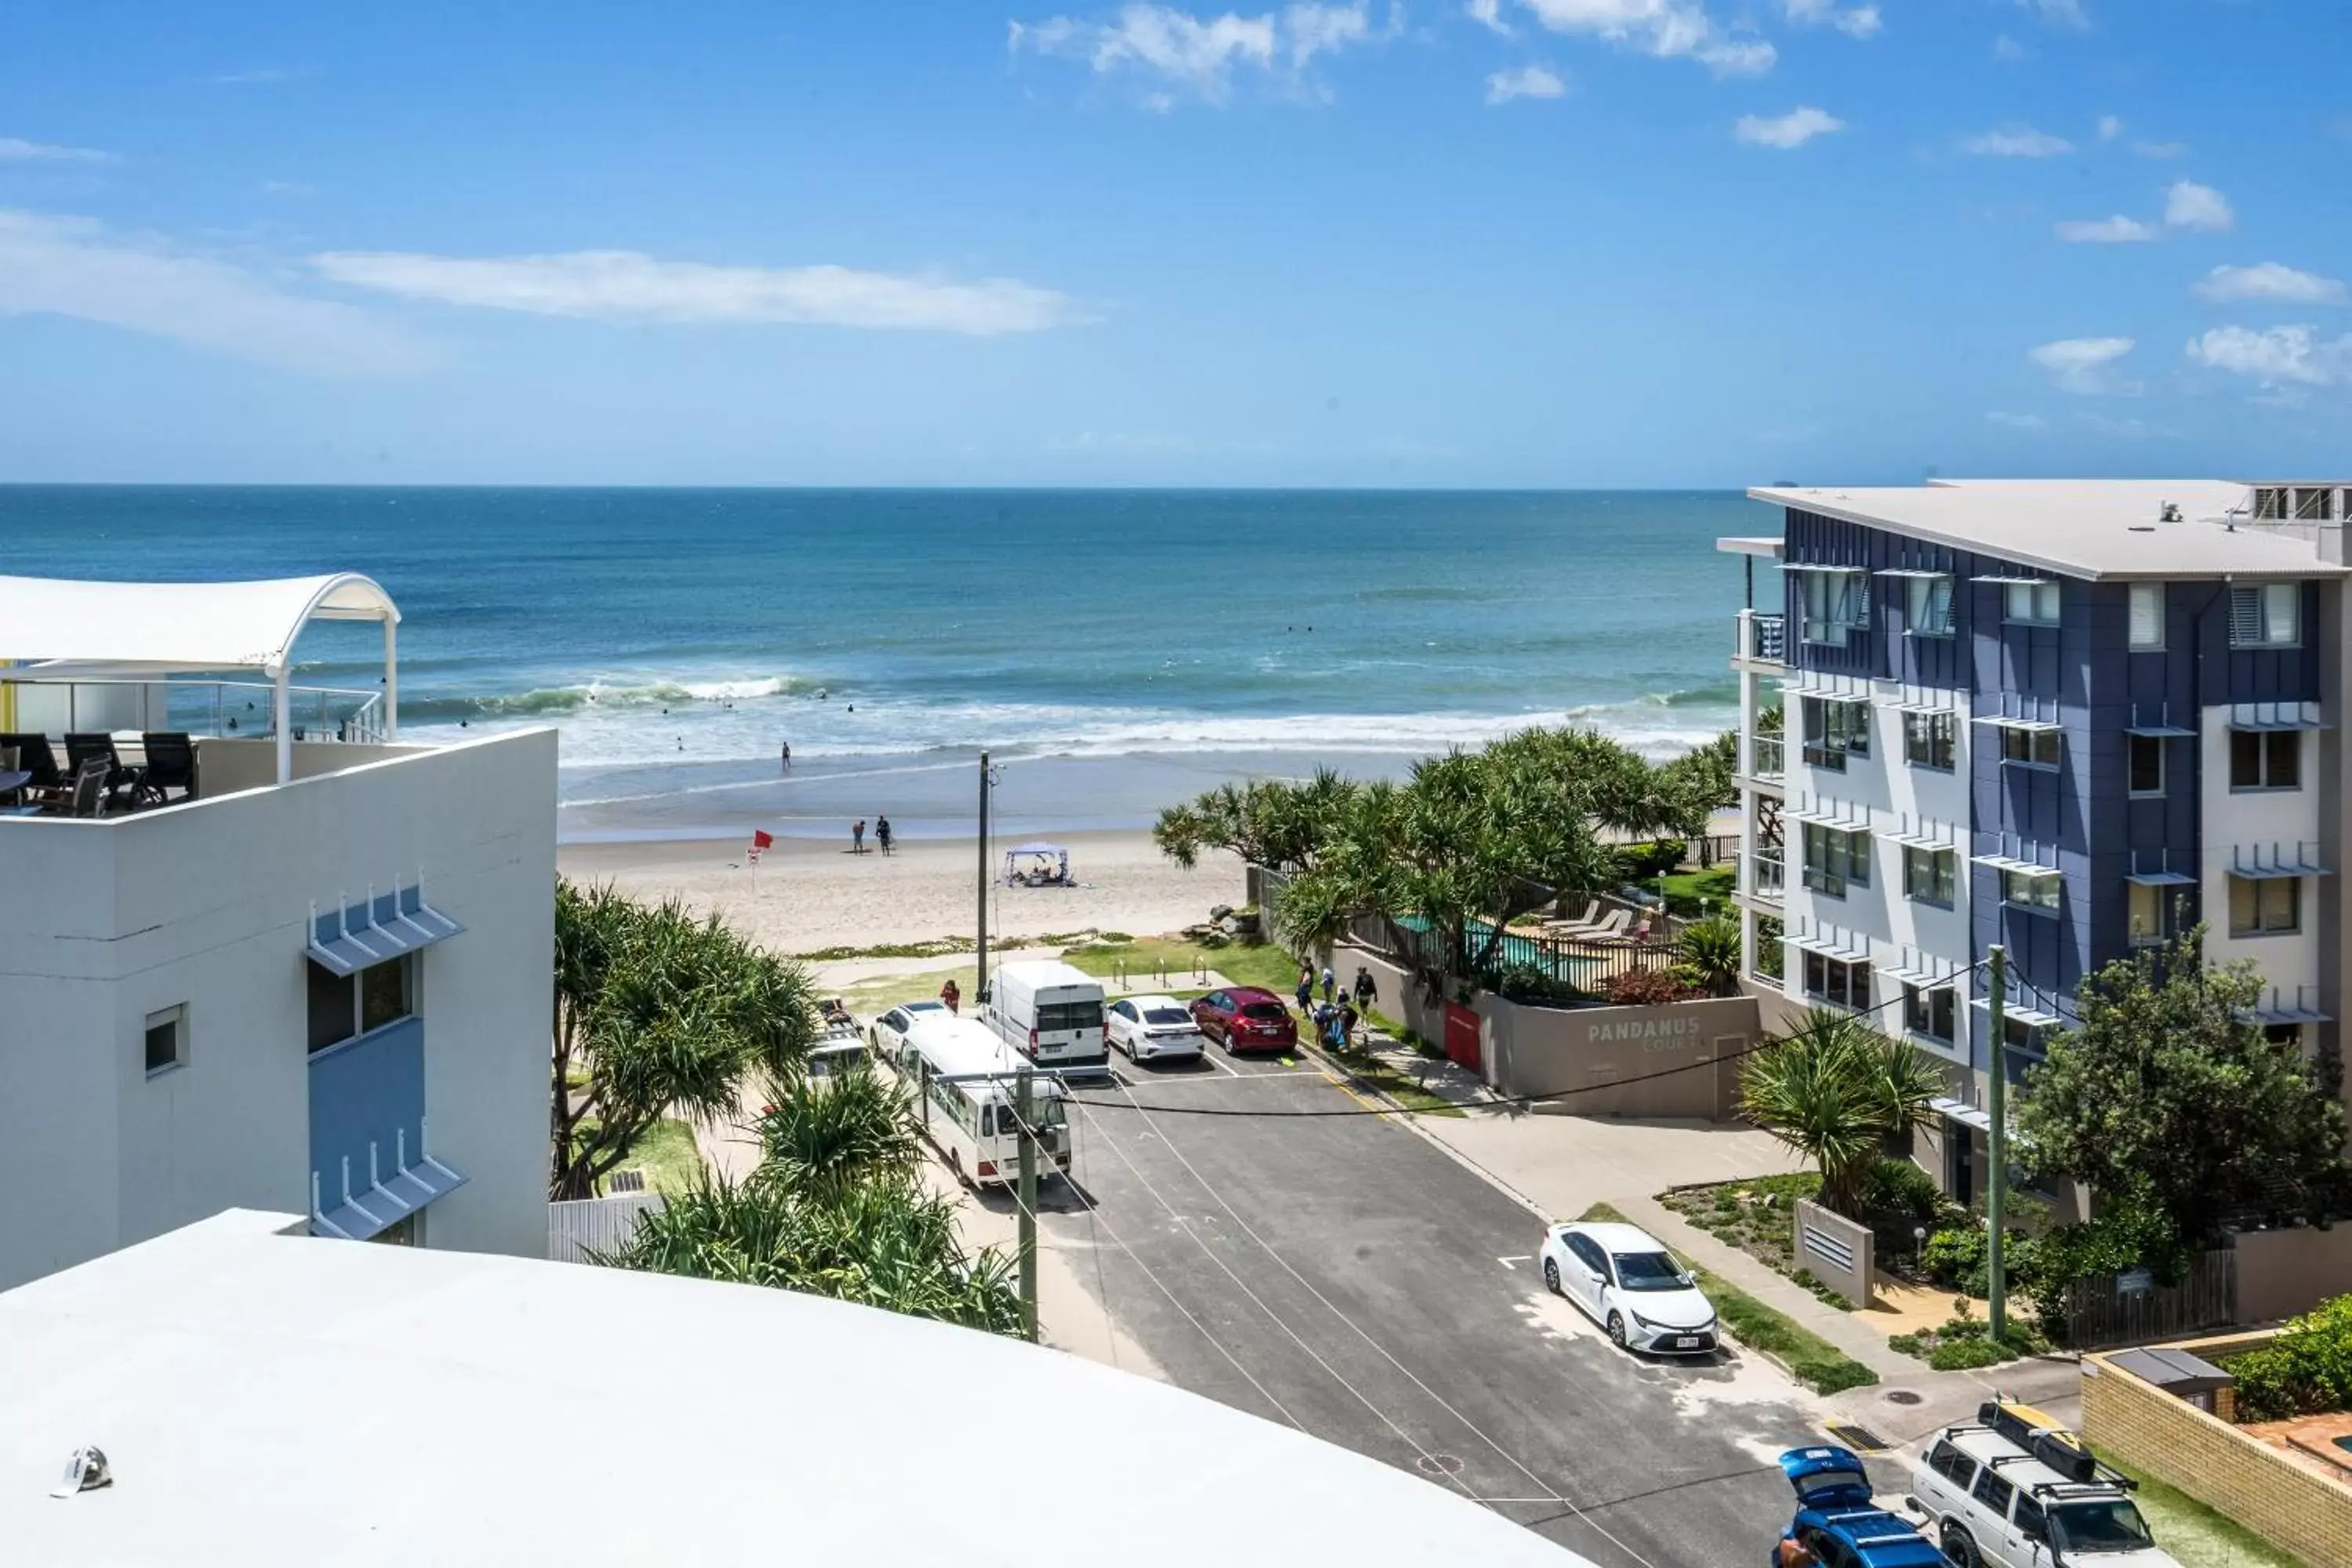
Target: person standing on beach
x,y
1306,990
882,833
788,756
857,837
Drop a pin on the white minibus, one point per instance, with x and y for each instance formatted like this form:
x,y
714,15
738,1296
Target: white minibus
x,y
1050,1012
963,1079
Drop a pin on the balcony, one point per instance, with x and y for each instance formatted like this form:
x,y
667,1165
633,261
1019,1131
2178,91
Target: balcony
x,y
1768,759
1762,639
1762,876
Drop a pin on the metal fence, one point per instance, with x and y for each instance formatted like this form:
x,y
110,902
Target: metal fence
x,y
578,1226
1586,965
2132,1308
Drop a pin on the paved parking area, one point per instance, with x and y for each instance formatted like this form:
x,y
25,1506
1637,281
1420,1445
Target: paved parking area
x,y
1339,1273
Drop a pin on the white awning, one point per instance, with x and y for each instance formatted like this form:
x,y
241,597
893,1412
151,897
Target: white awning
x,y
1835,821
1920,840
1947,703
1921,979
1821,567
2295,863
1967,1115
1908,571
1828,948
2286,1013
1826,693
1998,577
2012,863
63,627
2268,717
2164,731
2014,721
2033,1018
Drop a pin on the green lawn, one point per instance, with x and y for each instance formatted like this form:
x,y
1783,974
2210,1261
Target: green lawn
x,y
1686,888
2194,1534
1810,1359
1244,963
667,1153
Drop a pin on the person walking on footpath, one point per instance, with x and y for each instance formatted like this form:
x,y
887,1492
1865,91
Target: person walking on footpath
x,y
1367,990
951,995
857,837
1330,986
1306,991
882,833
1347,1019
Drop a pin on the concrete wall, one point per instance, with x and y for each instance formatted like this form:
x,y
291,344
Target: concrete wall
x,y
226,767
2286,1273
207,905
1841,1253
2212,1461
1545,1050
1399,996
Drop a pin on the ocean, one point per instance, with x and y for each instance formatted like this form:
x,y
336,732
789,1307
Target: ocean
x,y
1115,649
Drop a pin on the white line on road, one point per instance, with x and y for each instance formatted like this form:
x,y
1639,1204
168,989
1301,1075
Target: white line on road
x,y
1514,1259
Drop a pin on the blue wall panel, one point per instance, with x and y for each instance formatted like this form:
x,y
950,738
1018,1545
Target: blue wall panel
x,y
369,1089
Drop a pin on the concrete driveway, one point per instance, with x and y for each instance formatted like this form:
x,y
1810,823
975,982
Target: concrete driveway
x,y
1339,1273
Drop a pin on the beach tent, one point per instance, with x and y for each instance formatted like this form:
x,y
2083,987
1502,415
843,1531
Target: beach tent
x,y
1045,855
66,630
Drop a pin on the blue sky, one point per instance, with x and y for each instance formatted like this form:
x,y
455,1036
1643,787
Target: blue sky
x,y
1440,242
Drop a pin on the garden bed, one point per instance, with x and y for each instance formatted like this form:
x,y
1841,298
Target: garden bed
x,y
1757,1216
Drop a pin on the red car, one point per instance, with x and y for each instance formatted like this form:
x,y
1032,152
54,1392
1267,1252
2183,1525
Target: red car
x,y
1244,1018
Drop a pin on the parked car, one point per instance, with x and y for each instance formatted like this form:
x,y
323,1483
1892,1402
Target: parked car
x,y
1244,1018
1628,1282
1994,1503
1838,1523
887,1034
1155,1028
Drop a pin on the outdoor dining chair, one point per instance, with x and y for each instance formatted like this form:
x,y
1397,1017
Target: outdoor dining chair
x,y
89,746
171,765
34,757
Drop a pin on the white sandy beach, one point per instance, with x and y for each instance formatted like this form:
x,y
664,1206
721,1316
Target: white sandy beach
x,y
804,895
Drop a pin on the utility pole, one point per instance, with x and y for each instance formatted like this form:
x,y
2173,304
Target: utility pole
x,y
1025,1107
980,981
1997,1176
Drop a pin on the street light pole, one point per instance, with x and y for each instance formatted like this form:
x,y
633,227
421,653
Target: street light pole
x,y
1997,1177
1025,1108
980,980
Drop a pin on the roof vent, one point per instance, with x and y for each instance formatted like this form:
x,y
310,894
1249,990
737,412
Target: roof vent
x,y
86,1471
2168,511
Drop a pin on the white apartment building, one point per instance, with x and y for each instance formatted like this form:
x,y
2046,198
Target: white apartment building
x,y
318,980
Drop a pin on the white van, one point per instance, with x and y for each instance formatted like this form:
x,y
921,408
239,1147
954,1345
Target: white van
x,y
965,1078
1050,1012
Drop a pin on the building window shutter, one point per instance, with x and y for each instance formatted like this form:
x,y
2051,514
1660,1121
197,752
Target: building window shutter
x,y
2246,616
2148,615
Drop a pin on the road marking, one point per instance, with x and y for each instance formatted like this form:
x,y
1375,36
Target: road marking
x,y
1517,1258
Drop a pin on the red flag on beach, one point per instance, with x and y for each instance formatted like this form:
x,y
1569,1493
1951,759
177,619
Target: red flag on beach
x,y
761,839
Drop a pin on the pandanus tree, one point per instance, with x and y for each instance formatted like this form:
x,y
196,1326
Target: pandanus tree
x,y
1838,1091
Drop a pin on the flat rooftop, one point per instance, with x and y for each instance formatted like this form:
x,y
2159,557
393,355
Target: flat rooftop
x,y
268,1398
2079,528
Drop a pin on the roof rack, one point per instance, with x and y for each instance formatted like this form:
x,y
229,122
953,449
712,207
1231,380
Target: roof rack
x,y
2106,1477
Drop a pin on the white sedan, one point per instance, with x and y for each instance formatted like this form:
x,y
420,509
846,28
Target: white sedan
x,y
1154,1028
1626,1280
887,1034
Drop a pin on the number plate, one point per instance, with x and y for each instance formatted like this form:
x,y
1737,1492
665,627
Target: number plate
x,y
1686,1342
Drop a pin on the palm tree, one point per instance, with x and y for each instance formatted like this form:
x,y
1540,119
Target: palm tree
x,y
1709,955
1837,1092
824,1138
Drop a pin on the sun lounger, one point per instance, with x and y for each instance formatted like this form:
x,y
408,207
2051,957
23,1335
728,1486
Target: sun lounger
x,y
1613,925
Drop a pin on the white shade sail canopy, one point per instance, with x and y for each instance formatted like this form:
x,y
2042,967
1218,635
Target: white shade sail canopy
x,y
158,627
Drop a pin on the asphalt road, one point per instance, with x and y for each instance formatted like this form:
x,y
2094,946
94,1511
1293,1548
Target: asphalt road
x,y
1343,1274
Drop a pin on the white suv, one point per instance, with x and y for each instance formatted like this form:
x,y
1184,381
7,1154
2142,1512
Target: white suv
x,y
1990,1504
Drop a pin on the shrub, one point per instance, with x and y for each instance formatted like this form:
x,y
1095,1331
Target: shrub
x,y
1897,1191
1638,861
2127,1237
1953,1256
1640,988
1966,1356
2306,1371
1526,982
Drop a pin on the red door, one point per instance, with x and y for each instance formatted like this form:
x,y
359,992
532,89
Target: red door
x,y
1462,1035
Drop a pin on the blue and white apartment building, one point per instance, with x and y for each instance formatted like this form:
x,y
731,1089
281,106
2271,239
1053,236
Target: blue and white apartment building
x,y
2071,717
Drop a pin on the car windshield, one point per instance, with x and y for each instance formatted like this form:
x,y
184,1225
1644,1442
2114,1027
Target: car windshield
x,y
1650,1271
1166,1016
1267,1010
927,1006
2111,1524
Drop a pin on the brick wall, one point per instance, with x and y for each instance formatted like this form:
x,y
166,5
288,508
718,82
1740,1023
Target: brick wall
x,y
2215,1463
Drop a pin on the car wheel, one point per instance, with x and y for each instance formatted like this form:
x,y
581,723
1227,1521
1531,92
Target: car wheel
x,y
1617,1330
1551,1275
1960,1548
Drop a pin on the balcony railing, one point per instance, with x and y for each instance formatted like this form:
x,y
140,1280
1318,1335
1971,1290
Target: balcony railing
x,y
1767,757
1762,637
239,709
1761,875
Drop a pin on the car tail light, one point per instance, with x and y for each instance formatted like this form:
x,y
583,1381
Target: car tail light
x,y
988,1167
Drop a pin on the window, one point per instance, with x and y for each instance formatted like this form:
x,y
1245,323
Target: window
x,y
1952,1465
1846,985
2032,1523
2271,502
2030,603
2266,615
1087,1015
1835,731
167,1039
1836,602
1930,607
1930,876
2020,1036
1930,1012
1994,1493
1123,1010
2146,764
2283,1034
2265,759
408,1230
2032,748
2036,890
1835,859
2144,913
2315,505
2265,906
2146,616
344,1005
1932,741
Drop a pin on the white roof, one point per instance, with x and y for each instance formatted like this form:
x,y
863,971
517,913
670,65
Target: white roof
x,y
157,628
2081,528
277,1399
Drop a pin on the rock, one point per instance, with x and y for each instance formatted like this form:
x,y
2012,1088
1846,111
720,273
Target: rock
x,y
1219,911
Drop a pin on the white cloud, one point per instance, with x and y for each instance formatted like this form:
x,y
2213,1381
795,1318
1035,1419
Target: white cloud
x,y
2059,13
1197,54
1488,13
2009,50
2084,366
76,267
624,286
2018,421
1859,21
16,150
2161,148
2017,141
1526,81
2277,356
2110,127
1670,29
2188,205
2270,281
1793,129
2116,230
